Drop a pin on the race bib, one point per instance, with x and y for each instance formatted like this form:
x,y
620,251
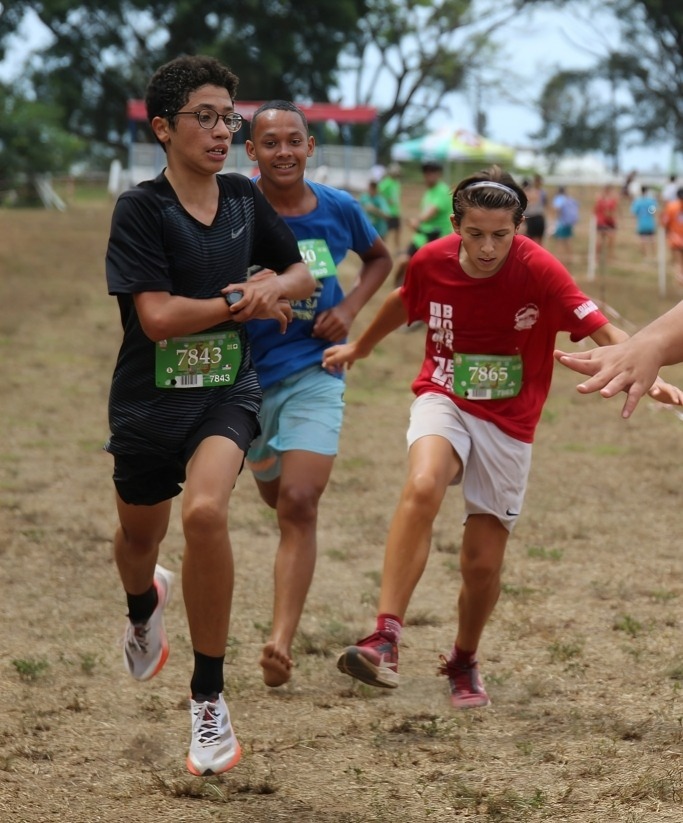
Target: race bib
x,y
486,376
317,256
198,361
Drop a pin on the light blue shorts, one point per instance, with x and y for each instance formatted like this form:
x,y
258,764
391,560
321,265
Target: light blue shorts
x,y
495,465
302,412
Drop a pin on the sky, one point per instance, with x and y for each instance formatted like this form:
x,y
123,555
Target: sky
x,y
535,46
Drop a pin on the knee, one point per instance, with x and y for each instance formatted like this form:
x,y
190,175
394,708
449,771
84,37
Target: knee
x,y
480,569
423,494
298,504
202,518
137,542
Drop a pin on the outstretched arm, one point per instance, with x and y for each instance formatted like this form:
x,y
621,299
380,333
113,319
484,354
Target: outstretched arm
x,y
632,364
390,316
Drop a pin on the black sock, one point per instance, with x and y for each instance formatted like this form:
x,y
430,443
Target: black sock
x,y
207,678
141,606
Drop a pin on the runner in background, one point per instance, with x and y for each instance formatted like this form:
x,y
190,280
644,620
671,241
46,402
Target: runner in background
x,y
391,190
433,220
605,212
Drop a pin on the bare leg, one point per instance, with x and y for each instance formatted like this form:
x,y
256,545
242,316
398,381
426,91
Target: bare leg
x,y
481,561
432,464
208,574
302,481
136,543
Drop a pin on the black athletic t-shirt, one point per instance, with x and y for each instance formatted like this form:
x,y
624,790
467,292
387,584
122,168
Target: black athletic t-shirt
x,y
155,245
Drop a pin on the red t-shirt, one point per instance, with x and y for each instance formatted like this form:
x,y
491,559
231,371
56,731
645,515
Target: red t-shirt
x,y
517,311
606,212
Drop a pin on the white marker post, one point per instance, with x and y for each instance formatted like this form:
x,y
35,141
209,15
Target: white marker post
x,y
592,245
661,260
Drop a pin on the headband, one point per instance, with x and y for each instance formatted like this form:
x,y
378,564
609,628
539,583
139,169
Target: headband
x,y
490,184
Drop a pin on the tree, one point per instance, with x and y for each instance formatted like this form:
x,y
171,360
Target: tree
x,y
644,72
572,123
32,141
650,64
104,51
414,52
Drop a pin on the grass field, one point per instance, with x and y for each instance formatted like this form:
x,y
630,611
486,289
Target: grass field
x,y
583,657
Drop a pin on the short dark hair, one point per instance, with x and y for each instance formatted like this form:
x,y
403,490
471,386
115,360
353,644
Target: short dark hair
x,y
279,105
431,165
171,85
493,197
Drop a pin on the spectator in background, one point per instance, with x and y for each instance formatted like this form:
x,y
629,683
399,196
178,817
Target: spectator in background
x,y
566,210
672,220
645,208
670,190
605,211
631,187
534,215
434,219
389,187
376,208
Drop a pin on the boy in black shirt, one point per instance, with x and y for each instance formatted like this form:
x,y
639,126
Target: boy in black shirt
x,y
184,397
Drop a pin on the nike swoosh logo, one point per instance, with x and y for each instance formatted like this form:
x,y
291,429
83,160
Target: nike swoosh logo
x,y
237,232
511,514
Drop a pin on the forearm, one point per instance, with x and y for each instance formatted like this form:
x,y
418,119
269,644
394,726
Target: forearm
x,y
296,282
609,335
370,278
164,315
390,316
664,337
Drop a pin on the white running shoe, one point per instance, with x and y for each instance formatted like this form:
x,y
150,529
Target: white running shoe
x,y
145,645
214,748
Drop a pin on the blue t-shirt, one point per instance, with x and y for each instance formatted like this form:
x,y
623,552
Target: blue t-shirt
x,y
339,224
645,209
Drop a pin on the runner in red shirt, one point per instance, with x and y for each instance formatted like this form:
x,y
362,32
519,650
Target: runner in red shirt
x,y
605,211
493,302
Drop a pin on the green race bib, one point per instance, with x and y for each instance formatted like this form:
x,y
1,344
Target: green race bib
x,y
317,256
486,376
198,361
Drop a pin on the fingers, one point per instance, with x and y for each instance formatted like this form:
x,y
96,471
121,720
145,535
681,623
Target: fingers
x,y
632,397
580,362
335,358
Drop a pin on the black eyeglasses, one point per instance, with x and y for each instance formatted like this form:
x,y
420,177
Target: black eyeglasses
x,y
207,119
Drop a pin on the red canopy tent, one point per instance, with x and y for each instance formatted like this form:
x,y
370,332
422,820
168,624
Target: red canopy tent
x,y
315,112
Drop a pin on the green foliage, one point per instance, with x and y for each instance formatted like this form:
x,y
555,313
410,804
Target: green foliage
x,y
572,123
641,67
103,53
32,139
420,51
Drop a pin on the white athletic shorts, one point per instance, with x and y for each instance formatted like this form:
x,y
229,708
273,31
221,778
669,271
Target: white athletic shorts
x,y
495,465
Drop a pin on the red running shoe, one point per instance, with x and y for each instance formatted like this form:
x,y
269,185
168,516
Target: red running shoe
x,y
373,660
466,685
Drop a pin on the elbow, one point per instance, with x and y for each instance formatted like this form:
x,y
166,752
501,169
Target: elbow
x,y
304,286
156,329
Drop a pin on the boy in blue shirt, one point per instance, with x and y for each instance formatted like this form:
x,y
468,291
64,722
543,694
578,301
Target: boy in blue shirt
x,y
302,407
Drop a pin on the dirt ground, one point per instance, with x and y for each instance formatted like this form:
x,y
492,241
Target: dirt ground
x,y
583,657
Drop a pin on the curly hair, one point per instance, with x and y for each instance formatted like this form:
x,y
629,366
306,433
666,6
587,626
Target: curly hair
x,y
171,85
502,193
